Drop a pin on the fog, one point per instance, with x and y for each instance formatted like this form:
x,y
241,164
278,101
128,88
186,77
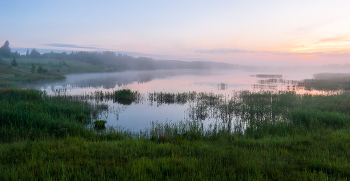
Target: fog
x,y
197,75
207,80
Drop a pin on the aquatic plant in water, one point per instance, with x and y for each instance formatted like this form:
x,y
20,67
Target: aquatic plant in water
x,y
100,124
125,96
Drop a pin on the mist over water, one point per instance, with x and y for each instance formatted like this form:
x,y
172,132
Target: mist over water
x,y
138,115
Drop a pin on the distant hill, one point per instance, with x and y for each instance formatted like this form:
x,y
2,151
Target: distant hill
x,y
118,62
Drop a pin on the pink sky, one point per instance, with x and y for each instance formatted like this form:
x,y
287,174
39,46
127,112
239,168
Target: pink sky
x,y
251,32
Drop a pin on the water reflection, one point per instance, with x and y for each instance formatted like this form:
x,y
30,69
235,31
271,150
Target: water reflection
x,y
321,83
268,75
195,95
117,79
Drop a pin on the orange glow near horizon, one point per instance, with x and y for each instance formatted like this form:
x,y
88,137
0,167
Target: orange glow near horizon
x,y
329,45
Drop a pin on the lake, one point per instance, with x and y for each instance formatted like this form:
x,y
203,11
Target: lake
x,y
140,114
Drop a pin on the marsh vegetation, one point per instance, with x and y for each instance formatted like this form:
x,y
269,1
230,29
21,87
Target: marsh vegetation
x,y
281,135
226,126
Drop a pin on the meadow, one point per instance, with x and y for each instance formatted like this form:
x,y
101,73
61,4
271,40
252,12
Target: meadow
x,y
281,136
14,76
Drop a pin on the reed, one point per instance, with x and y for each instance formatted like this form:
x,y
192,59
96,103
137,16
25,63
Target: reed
x,y
257,136
257,114
171,98
32,114
100,124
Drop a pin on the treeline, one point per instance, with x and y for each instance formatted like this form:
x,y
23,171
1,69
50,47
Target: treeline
x,y
115,61
126,62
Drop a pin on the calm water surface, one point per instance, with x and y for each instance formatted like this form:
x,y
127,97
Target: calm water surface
x,y
139,115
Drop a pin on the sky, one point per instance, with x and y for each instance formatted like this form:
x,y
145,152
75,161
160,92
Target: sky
x,y
250,32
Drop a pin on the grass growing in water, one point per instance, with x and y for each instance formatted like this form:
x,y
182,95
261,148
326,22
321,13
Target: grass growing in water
x,y
125,96
289,137
100,124
171,98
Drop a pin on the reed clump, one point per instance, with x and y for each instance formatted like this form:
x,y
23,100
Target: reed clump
x,y
100,124
171,98
125,96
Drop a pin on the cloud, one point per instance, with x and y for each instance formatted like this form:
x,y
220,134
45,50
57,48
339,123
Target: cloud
x,y
223,51
187,49
290,53
319,54
339,38
239,51
137,54
71,46
340,55
311,27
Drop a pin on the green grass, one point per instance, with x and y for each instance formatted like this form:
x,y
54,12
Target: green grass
x,y
64,66
125,96
31,114
100,124
286,137
13,76
301,157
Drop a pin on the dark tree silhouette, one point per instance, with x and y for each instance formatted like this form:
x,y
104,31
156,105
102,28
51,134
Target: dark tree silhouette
x,y
40,70
16,54
33,68
34,54
5,50
14,63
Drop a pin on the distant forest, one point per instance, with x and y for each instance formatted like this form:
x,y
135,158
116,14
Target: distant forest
x,y
113,60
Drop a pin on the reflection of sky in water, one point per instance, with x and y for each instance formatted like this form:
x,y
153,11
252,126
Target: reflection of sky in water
x,y
150,81
139,116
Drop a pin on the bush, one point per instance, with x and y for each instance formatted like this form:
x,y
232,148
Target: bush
x,y
14,63
41,70
100,124
33,68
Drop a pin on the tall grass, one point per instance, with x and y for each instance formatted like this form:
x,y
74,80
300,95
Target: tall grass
x,y
281,136
32,114
254,114
266,113
125,96
320,156
171,98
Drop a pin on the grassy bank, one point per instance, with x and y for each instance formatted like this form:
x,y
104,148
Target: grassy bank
x,y
285,137
33,115
13,76
322,156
